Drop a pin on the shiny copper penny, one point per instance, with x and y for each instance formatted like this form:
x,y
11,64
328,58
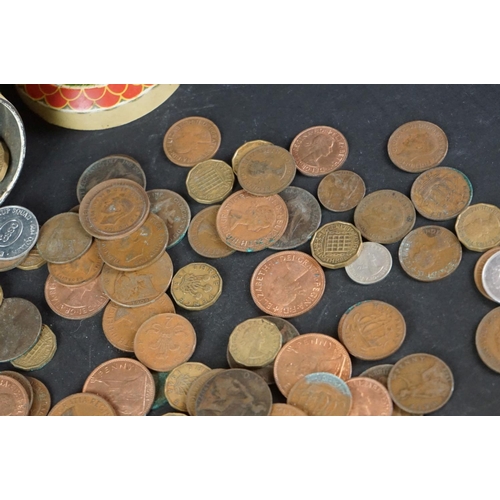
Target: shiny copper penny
x,y
478,270
417,146
369,398
243,150
124,383
40,354
179,381
319,150
341,191
385,216
23,381
14,399
488,340
249,223
286,410
478,227
82,405
210,181
191,141
32,261
430,253
196,387
287,284
41,398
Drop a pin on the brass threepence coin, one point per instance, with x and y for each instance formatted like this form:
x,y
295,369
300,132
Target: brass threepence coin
x,y
441,193
4,160
23,381
196,387
341,191
210,181
32,261
372,265
478,227
196,286
14,400
266,371
286,410
385,216
18,233
179,381
243,150
41,398
191,141
417,146
82,405
336,244
369,398
491,277
488,340
478,270
40,354
430,253
319,150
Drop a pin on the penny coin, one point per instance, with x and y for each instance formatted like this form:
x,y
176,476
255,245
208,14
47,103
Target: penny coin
x,y
234,392
266,170
14,399
32,261
41,398
40,354
113,209
179,381
196,387
23,381
385,216
310,353
478,270
287,284
369,398
321,394
243,150
304,217
4,160
430,253
82,405
120,324
491,277
173,209
110,167
380,373
285,410
420,383
441,193
75,302
124,383
18,233
319,150
249,223
203,236
21,326
372,265
138,288
266,371
210,181
7,265
160,399
478,227
336,244
191,141
196,286
417,146
487,340
341,191
164,342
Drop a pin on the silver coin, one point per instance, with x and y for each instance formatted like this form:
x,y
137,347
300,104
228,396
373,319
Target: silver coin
x,y
491,277
18,232
373,264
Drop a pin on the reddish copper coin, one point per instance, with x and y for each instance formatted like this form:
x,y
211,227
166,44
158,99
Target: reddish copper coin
x,y
82,405
23,381
488,340
41,398
14,400
341,191
478,270
369,398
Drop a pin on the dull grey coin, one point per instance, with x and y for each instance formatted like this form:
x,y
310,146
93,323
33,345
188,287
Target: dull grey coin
x,y
373,264
380,373
18,232
491,277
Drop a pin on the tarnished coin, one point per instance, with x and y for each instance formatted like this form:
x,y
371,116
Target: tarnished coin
x,y
14,400
372,265
420,383
40,354
478,227
23,381
210,181
287,330
488,340
266,371
385,216
243,150
41,398
191,140
380,373
203,236
341,191
304,217
21,324
4,160
124,383
369,398
173,209
491,277
196,387
249,223
319,150
196,286
287,284
82,405
18,233
286,410
430,253
441,193
7,265
179,381
32,261
417,146
478,270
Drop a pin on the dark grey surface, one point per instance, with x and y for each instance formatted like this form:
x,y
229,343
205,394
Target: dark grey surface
x,y
441,317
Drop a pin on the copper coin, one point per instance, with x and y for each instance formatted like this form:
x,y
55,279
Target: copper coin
x,y
341,191
210,181
385,216
203,236
417,146
191,140
478,227
287,284
82,405
380,373
164,342
196,387
478,270
120,324
41,398
179,381
75,302
124,383
23,381
40,354
430,253
369,398
420,383
286,410
32,261
14,400
251,223
113,209
243,150
319,150
310,353
487,340
441,193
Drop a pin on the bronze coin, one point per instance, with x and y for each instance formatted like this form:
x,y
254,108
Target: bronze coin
x,y
179,381
82,405
124,383
441,193
40,354
287,284
285,410
14,399
380,373
369,398
385,216
23,381
191,141
478,270
243,150
319,150
478,227
210,181
341,191
487,340
41,398
417,146
430,253
32,261
196,387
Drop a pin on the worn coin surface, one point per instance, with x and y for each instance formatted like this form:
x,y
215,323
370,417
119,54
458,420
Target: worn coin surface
x,y
32,261
488,340
14,400
82,405
266,371
478,227
380,373
23,381
18,232
210,181
196,387
491,277
4,160
41,398
243,150
179,381
286,410
40,354
341,191
369,398
372,265
478,270
287,330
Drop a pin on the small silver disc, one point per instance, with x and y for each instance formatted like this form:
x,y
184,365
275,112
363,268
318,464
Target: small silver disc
x,y
373,264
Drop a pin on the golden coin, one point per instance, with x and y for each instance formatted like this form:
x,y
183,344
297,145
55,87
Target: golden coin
x,y
478,270
341,191
478,227
196,387
4,160
83,405
32,261
40,354
210,181
336,244
179,381
41,398
243,150
196,286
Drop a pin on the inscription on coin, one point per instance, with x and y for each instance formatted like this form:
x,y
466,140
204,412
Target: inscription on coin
x,y
18,232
